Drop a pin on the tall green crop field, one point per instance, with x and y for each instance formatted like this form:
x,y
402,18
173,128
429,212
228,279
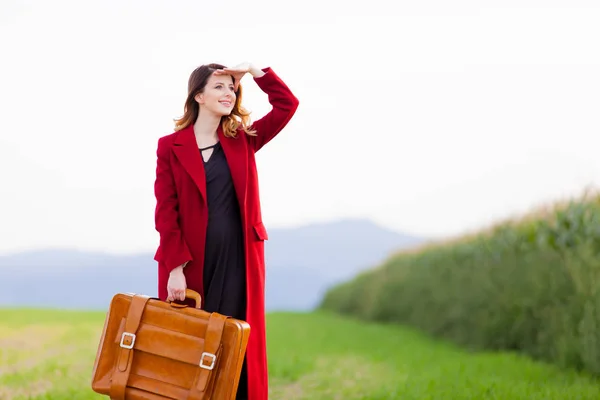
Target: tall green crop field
x,y
530,285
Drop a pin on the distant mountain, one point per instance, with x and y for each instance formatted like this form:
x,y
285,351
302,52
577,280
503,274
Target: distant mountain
x,y
301,264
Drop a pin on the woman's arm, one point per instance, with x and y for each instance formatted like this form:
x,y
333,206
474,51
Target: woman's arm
x,y
284,103
172,251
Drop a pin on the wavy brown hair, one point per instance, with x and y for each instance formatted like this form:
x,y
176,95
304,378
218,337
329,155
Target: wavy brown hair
x,y
239,118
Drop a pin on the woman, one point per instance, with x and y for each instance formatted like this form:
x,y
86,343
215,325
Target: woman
x,y
208,210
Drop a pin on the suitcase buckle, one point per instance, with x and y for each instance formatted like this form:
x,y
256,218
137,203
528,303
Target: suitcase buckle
x,y
123,336
212,364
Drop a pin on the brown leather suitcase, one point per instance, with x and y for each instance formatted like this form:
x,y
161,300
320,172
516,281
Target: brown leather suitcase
x,y
156,350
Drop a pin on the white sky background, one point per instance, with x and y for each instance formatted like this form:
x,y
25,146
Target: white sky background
x,y
429,117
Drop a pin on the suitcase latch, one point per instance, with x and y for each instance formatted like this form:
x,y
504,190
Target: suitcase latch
x,y
132,338
212,363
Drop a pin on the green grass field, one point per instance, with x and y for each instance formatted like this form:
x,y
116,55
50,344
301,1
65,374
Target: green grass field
x,y
49,355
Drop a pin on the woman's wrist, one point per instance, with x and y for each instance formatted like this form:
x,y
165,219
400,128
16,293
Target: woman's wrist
x,y
255,72
178,270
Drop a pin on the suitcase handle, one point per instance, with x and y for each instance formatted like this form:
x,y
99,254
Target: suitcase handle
x,y
189,294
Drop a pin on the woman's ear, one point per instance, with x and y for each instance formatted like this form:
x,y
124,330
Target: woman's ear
x,y
199,98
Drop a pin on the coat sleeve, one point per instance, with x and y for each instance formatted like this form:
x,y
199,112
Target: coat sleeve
x,y
284,105
172,250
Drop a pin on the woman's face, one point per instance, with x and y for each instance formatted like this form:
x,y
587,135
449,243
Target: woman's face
x,y
218,96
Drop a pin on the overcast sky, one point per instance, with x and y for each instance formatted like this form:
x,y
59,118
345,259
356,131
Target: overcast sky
x,y
434,118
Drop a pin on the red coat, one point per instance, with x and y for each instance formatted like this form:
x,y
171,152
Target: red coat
x,y
181,213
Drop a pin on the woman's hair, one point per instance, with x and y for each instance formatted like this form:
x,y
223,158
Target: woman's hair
x,y
239,116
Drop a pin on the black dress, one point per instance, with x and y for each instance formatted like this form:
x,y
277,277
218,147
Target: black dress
x,y
224,263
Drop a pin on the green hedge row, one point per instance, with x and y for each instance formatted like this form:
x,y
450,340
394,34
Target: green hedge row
x,y
530,285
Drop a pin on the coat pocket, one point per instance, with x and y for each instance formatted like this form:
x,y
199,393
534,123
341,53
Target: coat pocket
x,y
261,231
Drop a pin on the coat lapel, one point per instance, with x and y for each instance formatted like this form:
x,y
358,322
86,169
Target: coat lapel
x,y
188,154
235,152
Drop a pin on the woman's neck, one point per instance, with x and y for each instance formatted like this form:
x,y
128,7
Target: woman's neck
x,y
205,127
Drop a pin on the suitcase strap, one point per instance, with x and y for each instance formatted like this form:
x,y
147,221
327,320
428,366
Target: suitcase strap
x,y
132,323
208,359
